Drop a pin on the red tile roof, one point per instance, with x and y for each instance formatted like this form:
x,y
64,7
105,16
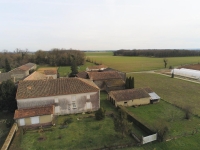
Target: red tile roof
x,y
39,111
50,72
61,86
82,75
104,75
128,94
114,82
36,76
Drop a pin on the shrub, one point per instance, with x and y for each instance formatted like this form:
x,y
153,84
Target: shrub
x,y
100,114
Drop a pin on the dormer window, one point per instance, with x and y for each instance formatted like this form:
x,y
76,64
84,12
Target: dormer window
x,y
56,100
88,96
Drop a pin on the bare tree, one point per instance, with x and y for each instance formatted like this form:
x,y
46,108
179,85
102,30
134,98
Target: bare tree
x,y
165,62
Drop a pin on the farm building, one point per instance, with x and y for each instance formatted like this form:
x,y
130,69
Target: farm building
x,y
34,116
68,95
129,97
109,80
18,73
189,73
96,68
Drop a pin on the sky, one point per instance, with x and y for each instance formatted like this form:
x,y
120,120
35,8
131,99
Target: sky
x,y
99,24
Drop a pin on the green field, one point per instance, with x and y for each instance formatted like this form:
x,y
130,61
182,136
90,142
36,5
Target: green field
x,y
179,92
65,70
154,114
134,64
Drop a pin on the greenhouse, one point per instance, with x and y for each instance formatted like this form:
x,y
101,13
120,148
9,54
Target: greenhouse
x,y
194,74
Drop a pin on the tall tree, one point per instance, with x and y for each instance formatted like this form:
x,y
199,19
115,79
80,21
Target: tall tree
x,y
7,65
7,96
133,82
121,123
74,68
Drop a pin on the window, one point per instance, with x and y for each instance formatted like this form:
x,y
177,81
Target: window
x,y
56,100
88,96
21,122
57,109
73,98
125,103
74,105
69,106
35,120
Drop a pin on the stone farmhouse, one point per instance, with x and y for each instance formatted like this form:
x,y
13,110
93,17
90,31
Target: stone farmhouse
x,y
18,73
133,97
39,100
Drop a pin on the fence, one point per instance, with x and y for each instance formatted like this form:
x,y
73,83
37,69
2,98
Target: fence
x,y
10,137
152,136
149,138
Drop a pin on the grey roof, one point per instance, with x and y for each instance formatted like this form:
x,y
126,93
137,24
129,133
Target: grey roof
x,y
154,96
5,76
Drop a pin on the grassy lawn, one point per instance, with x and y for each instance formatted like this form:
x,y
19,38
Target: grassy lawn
x,y
179,92
165,113
3,129
132,64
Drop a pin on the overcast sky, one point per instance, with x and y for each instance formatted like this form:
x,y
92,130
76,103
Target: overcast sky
x,y
99,24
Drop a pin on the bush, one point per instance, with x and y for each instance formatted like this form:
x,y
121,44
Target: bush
x,y
100,114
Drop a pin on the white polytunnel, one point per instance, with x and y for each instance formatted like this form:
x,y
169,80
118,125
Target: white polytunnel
x,y
195,74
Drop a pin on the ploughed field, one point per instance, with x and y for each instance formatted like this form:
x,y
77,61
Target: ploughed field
x,y
135,64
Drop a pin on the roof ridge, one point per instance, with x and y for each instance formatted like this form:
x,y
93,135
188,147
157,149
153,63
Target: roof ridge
x,y
84,80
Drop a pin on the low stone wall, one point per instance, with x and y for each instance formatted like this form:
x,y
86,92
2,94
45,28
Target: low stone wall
x,y
10,137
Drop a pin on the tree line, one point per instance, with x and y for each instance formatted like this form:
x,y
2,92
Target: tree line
x,y
157,52
54,57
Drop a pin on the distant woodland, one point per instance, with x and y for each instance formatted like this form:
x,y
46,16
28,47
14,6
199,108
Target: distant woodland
x,y
157,53
54,57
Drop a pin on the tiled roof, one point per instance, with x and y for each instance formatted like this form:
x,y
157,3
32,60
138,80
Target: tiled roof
x,y
148,90
17,71
82,75
61,86
39,111
114,82
50,72
128,94
104,75
27,66
97,67
5,76
36,76
30,65
24,67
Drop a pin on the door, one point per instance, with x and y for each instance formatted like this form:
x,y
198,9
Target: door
x,y
35,120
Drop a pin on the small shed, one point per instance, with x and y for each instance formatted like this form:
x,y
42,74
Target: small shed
x,y
34,116
129,97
